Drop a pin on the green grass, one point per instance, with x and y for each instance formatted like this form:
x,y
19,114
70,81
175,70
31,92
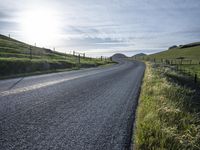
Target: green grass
x,y
36,73
192,69
17,58
12,48
185,58
192,53
166,118
10,66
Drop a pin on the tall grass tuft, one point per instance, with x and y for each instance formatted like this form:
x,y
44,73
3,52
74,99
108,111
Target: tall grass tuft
x,y
165,119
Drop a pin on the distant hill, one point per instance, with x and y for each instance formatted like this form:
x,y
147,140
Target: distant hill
x,y
139,55
188,51
118,55
190,45
173,47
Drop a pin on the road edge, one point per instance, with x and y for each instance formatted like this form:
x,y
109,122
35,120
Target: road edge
x,y
133,128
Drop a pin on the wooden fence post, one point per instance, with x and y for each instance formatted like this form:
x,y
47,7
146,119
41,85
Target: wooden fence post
x,y
31,53
79,59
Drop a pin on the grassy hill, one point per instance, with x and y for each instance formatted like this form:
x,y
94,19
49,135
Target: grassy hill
x,y
118,55
187,57
12,48
139,55
18,58
188,51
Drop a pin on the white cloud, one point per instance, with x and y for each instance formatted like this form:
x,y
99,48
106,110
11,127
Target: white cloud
x,y
129,25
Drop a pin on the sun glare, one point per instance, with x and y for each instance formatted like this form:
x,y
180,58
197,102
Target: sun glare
x,y
40,26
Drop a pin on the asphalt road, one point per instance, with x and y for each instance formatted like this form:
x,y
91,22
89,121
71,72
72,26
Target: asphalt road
x,y
87,109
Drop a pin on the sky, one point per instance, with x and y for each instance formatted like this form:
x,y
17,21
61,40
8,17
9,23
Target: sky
x,y
102,27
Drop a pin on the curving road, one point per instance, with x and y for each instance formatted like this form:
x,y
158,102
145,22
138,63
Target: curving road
x,y
88,109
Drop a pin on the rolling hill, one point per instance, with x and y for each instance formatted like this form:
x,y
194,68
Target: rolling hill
x,y
188,51
12,48
139,55
19,58
118,55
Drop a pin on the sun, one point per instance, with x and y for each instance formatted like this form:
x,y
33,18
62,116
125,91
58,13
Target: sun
x,y
40,26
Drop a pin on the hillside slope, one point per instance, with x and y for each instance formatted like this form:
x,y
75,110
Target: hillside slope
x,y
18,58
139,55
118,56
186,51
12,48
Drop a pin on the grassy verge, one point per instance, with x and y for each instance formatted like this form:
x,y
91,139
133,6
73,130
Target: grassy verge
x,y
17,67
166,118
36,73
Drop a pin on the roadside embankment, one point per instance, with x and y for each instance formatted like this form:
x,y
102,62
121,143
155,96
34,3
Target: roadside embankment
x,y
168,113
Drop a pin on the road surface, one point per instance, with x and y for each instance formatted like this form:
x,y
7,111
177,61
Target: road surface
x,y
91,109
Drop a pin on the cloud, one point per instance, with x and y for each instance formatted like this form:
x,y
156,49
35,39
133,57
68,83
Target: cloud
x,y
7,23
114,25
95,42
3,15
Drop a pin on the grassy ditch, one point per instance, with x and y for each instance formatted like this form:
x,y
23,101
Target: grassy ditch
x,y
168,114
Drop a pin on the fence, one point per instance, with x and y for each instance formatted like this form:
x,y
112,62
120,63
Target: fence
x,y
188,72
186,67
